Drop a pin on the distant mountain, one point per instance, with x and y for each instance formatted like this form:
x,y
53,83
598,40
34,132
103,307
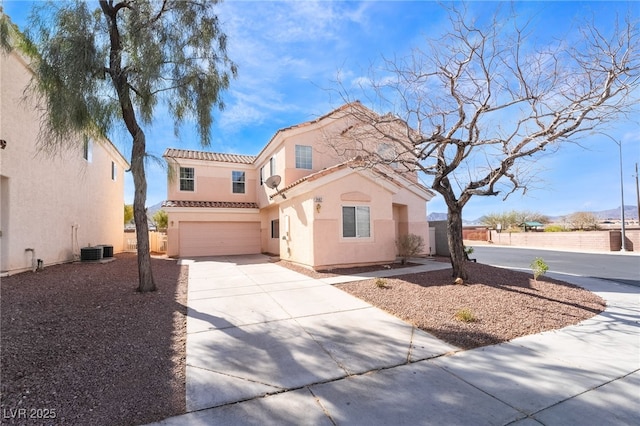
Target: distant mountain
x,y
151,210
435,216
630,213
432,217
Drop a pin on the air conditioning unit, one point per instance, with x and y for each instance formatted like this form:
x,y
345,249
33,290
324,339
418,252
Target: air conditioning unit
x,y
91,253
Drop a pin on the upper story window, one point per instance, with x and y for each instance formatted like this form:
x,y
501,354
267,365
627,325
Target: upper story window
x,y
272,166
388,154
187,179
114,171
238,182
87,148
261,175
356,222
303,157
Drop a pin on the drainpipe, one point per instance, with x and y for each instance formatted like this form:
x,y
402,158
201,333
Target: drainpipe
x,y
637,194
33,259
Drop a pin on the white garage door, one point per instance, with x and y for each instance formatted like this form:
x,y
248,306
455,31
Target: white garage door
x,y
219,238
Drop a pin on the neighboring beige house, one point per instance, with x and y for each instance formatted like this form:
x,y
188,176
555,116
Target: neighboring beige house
x,y
325,212
51,207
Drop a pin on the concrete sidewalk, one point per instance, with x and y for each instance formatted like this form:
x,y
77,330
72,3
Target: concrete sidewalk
x,y
267,345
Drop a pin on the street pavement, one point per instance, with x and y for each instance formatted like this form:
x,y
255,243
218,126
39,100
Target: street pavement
x,y
269,346
623,267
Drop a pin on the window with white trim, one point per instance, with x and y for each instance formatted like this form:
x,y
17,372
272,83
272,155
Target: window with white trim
x,y
272,166
114,171
187,179
388,154
238,182
356,222
261,175
304,157
87,149
275,228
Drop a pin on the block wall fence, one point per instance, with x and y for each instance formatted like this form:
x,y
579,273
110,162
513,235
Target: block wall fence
x,y
596,241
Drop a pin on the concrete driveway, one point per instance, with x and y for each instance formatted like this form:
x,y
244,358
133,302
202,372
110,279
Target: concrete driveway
x,y
269,346
255,328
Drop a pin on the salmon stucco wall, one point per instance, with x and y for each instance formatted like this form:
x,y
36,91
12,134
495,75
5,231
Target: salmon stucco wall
x,y
296,230
317,216
308,203
52,204
262,165
413,216
270,244
318,138
212,182
282,148
177,216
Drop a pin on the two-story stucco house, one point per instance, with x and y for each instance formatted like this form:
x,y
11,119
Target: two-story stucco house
x,y
325,211
50,207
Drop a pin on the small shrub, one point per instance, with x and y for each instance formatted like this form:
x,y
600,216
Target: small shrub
x,y
381,283
465,315
468,250
539,267
408,246
555,228
161,220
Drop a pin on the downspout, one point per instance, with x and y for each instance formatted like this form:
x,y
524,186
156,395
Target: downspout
x,y
34,266
75,248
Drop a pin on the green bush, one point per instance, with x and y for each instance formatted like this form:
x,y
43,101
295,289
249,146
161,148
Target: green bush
x,y
161,220
465,315
555,228
128,213
539,267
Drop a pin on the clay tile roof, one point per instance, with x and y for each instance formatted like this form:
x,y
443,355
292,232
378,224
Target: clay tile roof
x,y
350,163
354,163
210,204
208,156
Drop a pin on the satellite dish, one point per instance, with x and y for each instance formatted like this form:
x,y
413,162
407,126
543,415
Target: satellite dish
x,y
273,182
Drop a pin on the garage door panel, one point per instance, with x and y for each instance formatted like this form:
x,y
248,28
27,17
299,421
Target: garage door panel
x,y
219,238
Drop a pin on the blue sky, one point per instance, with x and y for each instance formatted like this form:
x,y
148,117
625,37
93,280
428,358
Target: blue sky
x,y
290,52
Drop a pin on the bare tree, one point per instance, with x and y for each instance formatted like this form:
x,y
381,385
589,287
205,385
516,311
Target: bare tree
x,y
473,109
583,221
512,219
96,69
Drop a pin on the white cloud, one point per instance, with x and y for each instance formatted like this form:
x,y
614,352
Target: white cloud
x,y
239,115
294,22
285,52
361,81
632,136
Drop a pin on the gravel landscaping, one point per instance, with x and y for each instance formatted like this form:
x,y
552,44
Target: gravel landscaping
x,y
498,304
80,346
